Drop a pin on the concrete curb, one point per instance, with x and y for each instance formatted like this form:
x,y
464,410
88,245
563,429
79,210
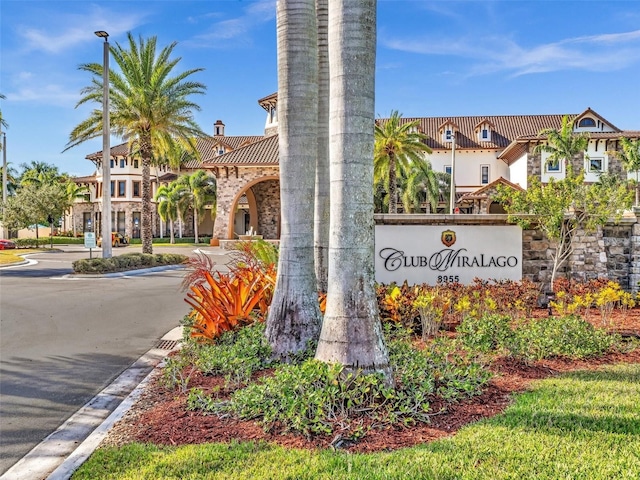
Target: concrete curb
x,y
63,451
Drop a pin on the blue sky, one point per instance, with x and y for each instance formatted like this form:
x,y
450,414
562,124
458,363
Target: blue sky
x,y
435,58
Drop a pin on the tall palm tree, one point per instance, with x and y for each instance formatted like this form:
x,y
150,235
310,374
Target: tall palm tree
x,y
201,190
630,157
322,204
351,331
562,145
39,174
74,192
294,316
171,201
12,178
150,107
397,145
3,122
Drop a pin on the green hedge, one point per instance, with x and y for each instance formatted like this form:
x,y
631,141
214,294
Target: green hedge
x,y
128,261
167,240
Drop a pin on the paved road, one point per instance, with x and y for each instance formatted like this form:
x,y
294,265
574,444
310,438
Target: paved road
x,y
64,338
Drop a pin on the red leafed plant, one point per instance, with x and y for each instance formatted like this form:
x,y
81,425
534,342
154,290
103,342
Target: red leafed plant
x,y
226,302
223,302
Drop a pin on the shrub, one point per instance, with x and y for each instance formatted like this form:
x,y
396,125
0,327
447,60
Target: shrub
x,y
569,337
486,334
236,354
128,261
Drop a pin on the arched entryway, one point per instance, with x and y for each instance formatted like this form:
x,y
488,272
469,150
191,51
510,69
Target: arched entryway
x,y
256,207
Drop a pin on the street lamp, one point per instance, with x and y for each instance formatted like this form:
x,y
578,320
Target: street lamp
x,y
106,166
452,196
4,233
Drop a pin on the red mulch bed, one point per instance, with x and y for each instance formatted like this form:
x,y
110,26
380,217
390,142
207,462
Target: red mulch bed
x,y
160,416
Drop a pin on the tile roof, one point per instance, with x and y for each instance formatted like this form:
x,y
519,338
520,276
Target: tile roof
x,y
86,179
262,152
207,146
117,150
482,191
506,129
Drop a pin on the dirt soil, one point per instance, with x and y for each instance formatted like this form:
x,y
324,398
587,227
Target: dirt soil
x,y
160,416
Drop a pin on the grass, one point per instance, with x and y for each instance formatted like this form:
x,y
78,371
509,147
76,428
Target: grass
x,y
8,257
582,425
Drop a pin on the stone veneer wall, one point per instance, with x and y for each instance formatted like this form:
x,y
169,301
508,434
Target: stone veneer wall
x,y
229,184
612,252
267,195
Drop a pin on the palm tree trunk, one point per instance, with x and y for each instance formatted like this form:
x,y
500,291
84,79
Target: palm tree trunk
x,y
393,185
172,238
146,227
322,207
294,317
351,332
195,224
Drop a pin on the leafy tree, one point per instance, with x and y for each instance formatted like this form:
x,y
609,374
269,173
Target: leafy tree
x,y
149,105
560,207
200,191
171,200
562,145
397,145
34,204
630,157
294,315
351,331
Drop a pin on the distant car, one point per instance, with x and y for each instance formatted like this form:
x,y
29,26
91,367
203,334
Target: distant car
x,y
117,240
7,244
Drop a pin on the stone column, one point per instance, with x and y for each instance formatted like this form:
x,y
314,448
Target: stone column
x,y
634,264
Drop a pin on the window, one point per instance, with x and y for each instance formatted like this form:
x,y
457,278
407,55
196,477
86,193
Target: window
x,y
272,113
221,151
447,135
596,165
485,133
136,188
111,162
113,188
447,169
122,163
121,222
122,188
587,122
552,166
135,163
484,174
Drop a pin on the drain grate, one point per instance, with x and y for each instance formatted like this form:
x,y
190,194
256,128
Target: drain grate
x,y
167,344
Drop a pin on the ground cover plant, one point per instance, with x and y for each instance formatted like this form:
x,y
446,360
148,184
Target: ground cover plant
x,y
227,388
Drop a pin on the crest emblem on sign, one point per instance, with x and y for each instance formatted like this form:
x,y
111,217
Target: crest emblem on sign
x,y
448,237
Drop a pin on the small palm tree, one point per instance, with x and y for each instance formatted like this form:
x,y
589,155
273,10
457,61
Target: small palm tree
x,y
630,157
171,202
397,145
562,145
419,184
200,190
74,192
149,106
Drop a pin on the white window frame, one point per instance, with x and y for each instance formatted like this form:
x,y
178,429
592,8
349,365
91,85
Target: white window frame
x,y
603,165
447,169
482,167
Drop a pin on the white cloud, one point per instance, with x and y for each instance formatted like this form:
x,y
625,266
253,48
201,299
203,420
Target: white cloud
x,y
49,94
237,29
603,52
75,29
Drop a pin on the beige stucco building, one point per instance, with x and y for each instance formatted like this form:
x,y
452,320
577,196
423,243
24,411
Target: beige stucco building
x,y
488,150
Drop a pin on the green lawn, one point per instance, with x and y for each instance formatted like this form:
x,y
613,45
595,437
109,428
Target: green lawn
x,y
583,425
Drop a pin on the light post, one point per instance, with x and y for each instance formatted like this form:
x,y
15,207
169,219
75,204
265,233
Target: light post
x,y
452,197
4,167
4,178
106,165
